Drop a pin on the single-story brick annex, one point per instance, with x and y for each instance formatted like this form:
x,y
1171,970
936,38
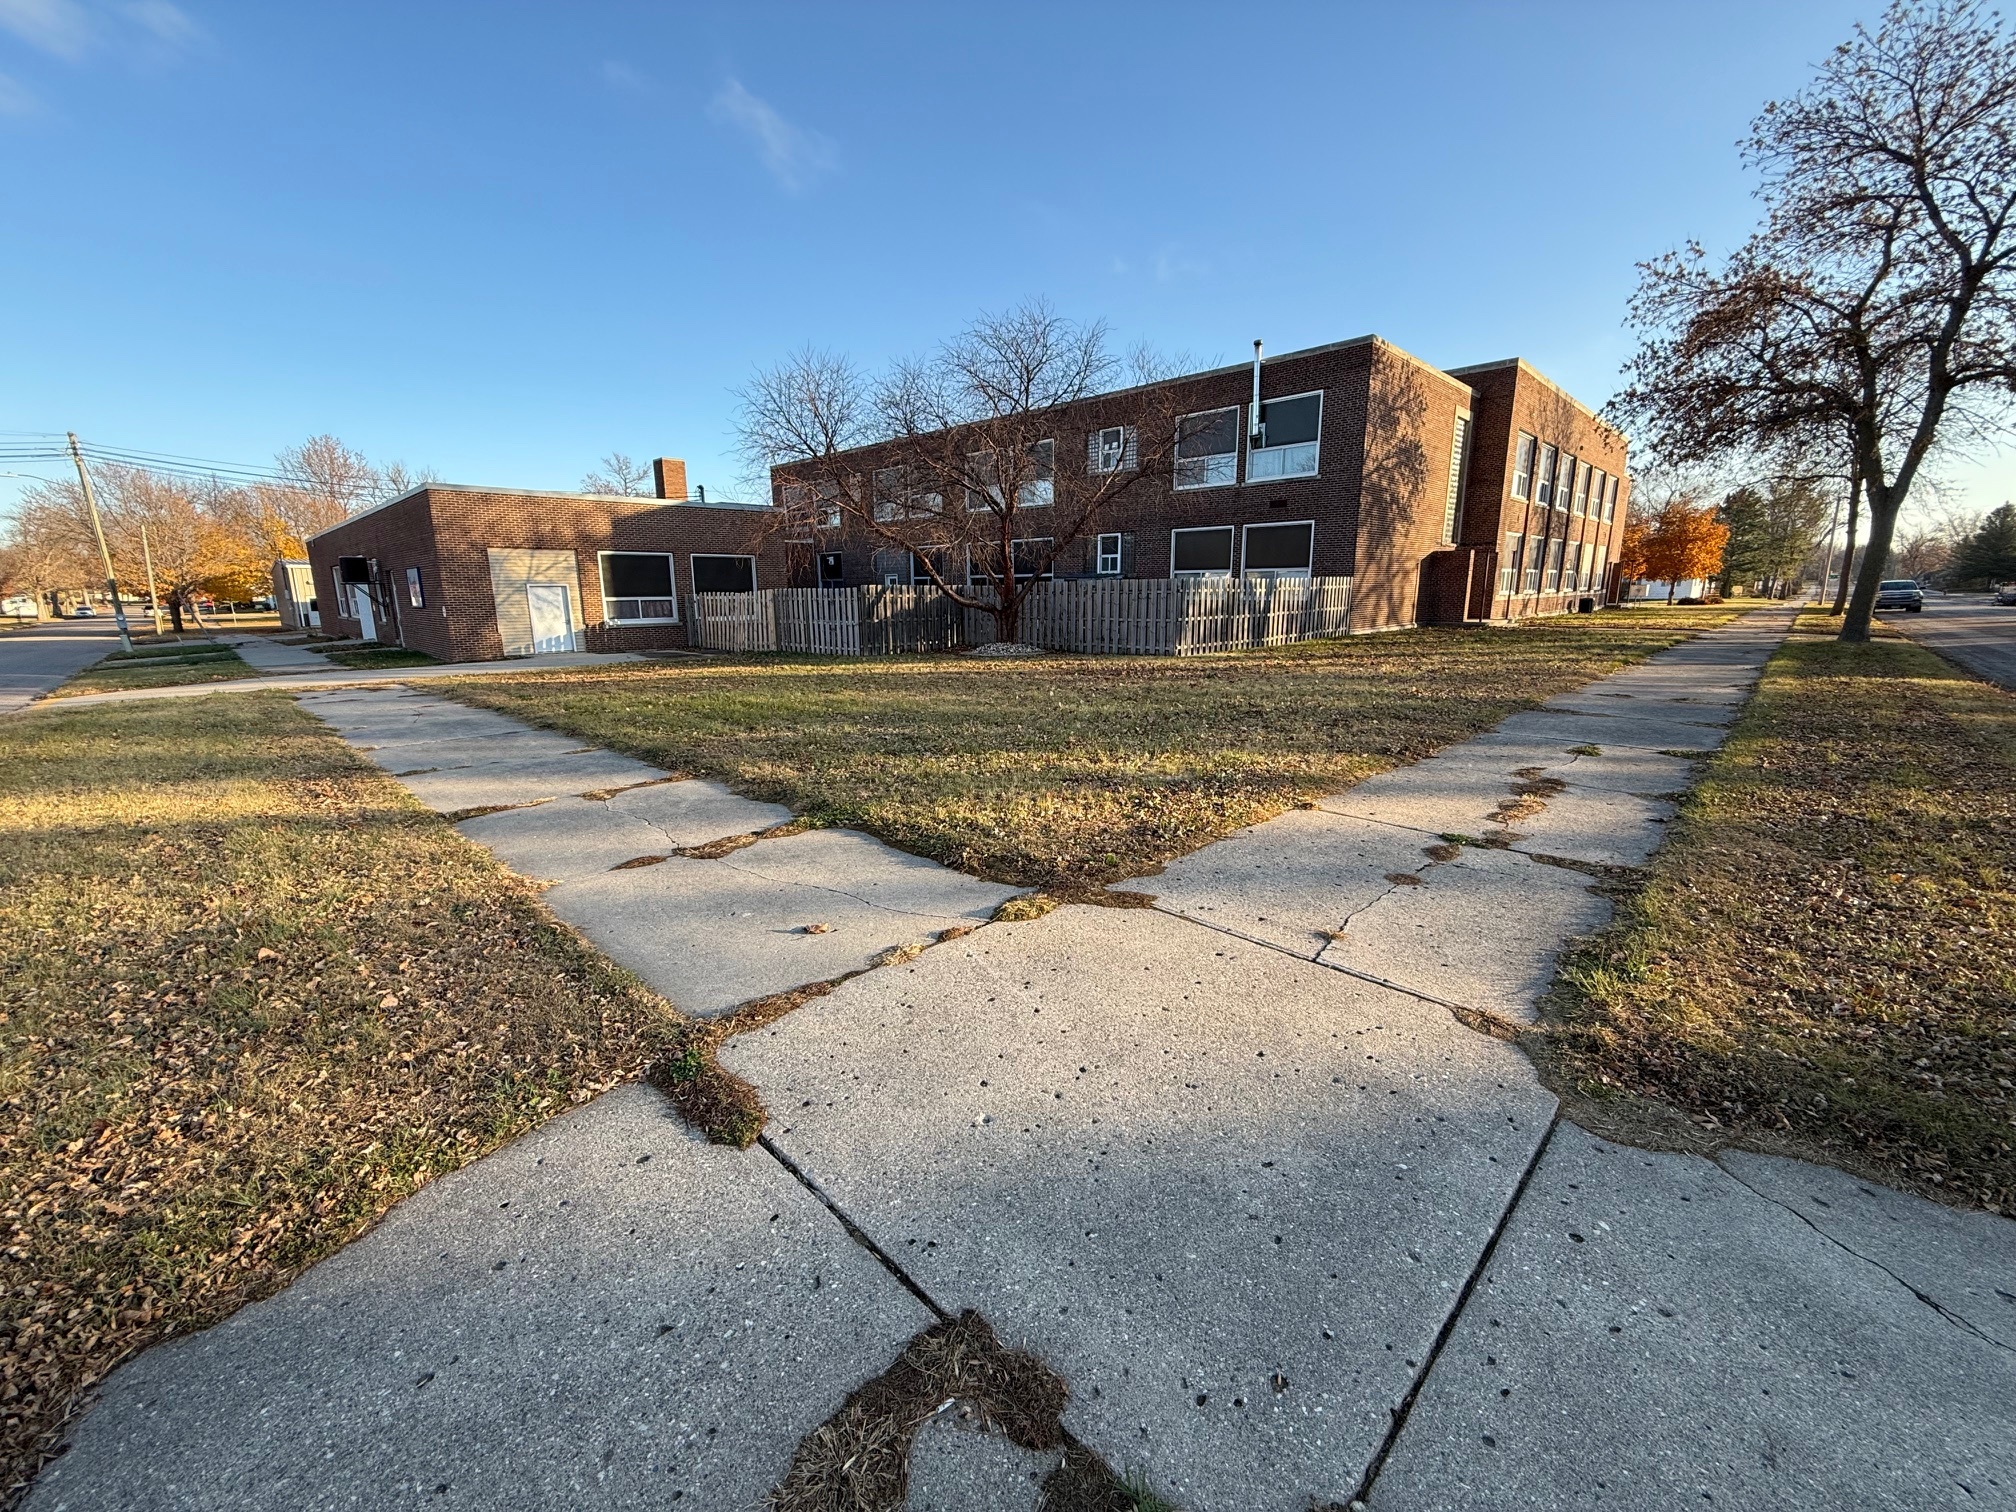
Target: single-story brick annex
x,y
1457,496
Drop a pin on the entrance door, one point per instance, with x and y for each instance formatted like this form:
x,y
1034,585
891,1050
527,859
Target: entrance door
x,y
552,625
367,627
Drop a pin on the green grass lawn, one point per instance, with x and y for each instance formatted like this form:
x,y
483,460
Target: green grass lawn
x,y
374,657
1824,958
147,670
1071,772
251,995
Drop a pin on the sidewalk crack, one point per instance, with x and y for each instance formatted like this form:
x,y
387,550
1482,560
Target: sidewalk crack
x,y
853,1229
1952,1317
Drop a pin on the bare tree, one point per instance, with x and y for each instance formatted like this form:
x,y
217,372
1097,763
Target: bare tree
x,y
1873,315
619,476
964,471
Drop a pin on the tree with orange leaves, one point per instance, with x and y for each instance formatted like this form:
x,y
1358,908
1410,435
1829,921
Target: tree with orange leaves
x,y
1682,540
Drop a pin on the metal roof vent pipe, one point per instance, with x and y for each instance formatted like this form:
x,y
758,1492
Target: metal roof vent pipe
x,y
1256,433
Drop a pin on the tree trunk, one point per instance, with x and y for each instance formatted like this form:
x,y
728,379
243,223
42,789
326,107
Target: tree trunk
x,y
1875,557
1847,556
175,611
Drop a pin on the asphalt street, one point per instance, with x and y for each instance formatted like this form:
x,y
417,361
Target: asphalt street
x,y
1968,628
34,661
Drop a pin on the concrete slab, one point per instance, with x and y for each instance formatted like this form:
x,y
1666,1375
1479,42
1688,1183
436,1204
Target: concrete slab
x,y
711,935
1609,730
609,1313
1456,792
1964,1262
1597,825
571,838
1651,1333
1483,931
494,784
399,756
1622,768
850,864
957,1467
1230,1195
1288,881
1604,699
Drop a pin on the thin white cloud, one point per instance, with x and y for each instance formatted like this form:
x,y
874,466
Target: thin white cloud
x,y
168,24
16,100
794,156
62,27
622,76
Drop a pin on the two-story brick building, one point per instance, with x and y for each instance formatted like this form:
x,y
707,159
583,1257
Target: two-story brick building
x,y
1447,496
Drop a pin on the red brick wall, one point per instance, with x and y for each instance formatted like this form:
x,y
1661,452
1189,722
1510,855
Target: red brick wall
x,y
448,533
1376,501
1511,397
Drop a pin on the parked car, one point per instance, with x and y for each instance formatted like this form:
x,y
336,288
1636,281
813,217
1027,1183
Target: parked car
x,y
2006,594
83,611
1900,593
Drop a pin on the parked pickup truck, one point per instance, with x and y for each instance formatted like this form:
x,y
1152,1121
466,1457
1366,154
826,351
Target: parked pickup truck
x,y
1900,593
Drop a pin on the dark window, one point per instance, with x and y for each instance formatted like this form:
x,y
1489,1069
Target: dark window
x,y
1201,550
637,586
724,574
353,570
414,596
1291,422
636,574
1207,449
1279,548
832,571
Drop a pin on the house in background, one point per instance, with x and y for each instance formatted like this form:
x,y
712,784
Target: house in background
x,y
1471,494
474,574
294,595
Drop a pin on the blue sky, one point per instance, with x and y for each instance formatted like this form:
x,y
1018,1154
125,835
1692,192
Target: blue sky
x,y
501,239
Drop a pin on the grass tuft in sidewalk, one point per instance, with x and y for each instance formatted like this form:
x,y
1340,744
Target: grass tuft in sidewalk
x,y
251,995
1823,961
1068,773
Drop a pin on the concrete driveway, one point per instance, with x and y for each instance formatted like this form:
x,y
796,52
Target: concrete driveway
x,y
1968,628
34,661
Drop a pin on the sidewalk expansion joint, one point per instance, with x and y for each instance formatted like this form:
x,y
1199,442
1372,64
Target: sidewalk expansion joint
x,y
853,1229
1945,1312
1405,1410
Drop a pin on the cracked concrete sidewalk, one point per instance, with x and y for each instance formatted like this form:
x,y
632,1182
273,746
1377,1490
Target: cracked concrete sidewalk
x,y
1292,1230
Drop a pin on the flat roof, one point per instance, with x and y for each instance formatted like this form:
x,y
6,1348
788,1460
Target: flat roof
x,y
535,493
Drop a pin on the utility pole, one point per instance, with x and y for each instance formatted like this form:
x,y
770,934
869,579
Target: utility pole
x,y
104,552
1827,567
153,595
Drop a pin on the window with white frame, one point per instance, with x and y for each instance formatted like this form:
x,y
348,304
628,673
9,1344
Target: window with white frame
x,y
1597,478
890,501
1459,457
723,573
1508,567
414,595
1287,438
1205,551
1583,581
1114,449
983,486
829,503
1106,556
1610,501
637,587
1286,550
1038,488
1207,449
1582,477
1536,549
1543,476
1564,483
1555,549
1522,467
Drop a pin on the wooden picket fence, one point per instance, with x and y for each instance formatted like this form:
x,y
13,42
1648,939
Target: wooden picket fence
x,y
1114,617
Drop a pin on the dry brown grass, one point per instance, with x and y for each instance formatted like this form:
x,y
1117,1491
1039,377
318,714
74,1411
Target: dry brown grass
x,y
1823,961
251,995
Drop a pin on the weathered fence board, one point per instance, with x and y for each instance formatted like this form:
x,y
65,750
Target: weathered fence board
x,y
1116,617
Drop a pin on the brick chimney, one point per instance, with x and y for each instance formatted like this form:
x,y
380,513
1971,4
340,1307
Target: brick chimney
x,y
670,475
